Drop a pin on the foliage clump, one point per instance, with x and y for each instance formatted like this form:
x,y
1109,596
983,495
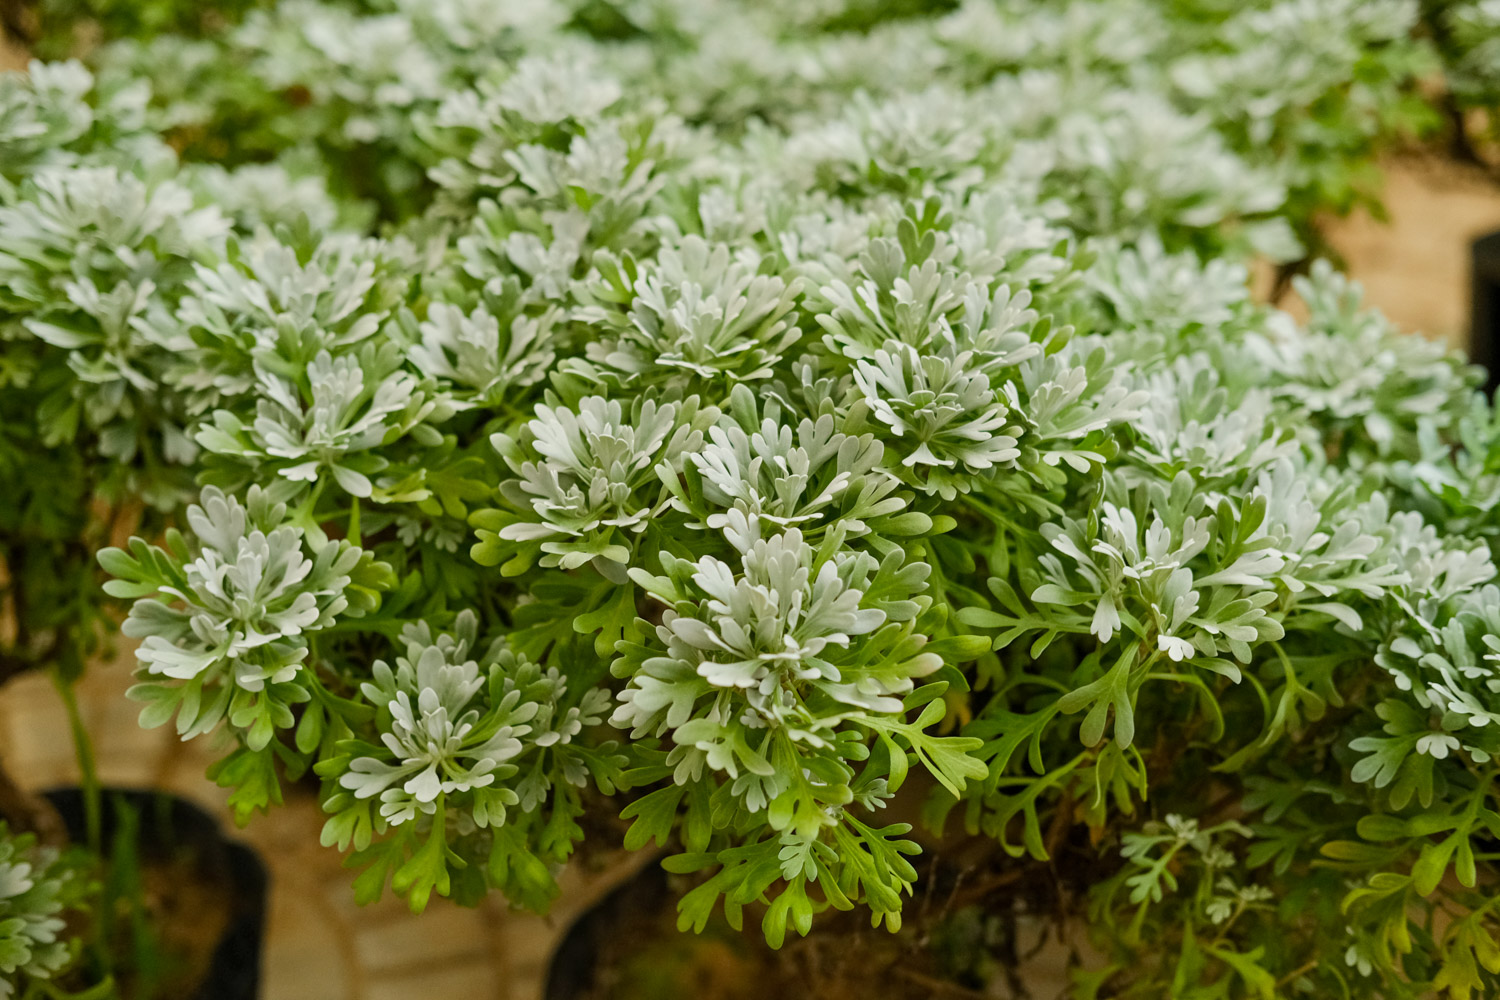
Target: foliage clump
x,y
40,888
740,420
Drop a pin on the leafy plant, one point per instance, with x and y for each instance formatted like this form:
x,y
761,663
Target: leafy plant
x,y
39,889
741,420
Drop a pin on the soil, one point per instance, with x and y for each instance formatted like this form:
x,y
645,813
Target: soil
x,y
188,907
169,894
628,948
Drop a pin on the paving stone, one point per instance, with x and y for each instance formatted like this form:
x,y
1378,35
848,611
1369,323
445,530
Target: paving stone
x,y
442,936
529,942
184,774
529,939
1415,265
39,742
302,974
11,56
339,892
307,957
126,754
468,982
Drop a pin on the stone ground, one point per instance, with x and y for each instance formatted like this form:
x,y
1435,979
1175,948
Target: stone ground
x,y
1415,266
320,946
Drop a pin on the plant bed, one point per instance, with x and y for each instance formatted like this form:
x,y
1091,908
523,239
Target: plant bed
x,y
186,904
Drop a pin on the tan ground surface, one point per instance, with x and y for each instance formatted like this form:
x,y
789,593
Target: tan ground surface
x,y
11,56
320,947
1415,266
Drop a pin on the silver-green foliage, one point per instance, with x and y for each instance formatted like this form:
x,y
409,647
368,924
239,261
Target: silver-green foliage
x,y
725,471
38,888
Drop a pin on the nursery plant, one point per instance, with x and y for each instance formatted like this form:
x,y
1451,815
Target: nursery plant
x,y
823,438
1464,32
98,232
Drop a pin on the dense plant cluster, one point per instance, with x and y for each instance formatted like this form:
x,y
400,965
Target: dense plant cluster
x,y
1466,33
1277,106
38,888
739,417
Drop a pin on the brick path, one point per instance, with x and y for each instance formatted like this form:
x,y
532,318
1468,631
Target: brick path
x,y
1415,266
320,944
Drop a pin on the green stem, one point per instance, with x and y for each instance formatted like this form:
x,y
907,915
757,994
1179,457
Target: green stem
x,y
83,749
1239,908
304,516
99,991
986,511
353,533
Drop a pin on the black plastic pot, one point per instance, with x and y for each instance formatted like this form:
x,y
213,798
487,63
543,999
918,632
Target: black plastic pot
x,y
170,826
1484,313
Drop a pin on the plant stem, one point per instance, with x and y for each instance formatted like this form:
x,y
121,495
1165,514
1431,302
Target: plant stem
x,y
83,749
99,991
1239,908
1295,973
353,532
936,985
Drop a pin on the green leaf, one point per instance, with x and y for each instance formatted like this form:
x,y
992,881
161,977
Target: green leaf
x,y
614,620
655,814
252,776
1368,855
427,869
1247,966
1113,690
521,875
